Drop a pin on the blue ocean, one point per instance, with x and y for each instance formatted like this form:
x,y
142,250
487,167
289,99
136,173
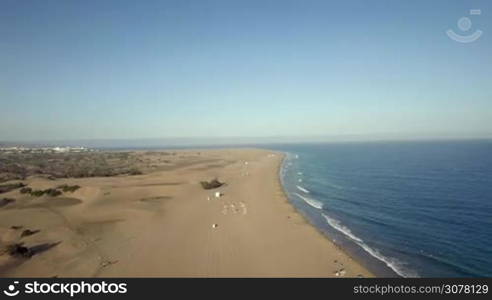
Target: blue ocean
x,y
411,209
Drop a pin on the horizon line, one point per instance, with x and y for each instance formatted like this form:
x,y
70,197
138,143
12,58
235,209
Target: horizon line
x,y
230,141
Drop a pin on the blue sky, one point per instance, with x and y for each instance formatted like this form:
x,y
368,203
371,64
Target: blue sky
x,y
155,69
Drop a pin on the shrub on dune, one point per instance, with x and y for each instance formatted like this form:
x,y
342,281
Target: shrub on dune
x,y
25,190
69,188
9,187
214,183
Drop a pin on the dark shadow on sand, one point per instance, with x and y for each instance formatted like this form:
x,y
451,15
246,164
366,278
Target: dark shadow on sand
x,y
18,250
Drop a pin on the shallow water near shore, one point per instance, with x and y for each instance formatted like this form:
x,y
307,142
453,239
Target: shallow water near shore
x,y
411,209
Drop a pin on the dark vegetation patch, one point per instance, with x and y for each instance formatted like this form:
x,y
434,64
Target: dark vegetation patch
x,y
52,192
25,190
135,172
68,188
5,201
49,192
10,187
19,166
212,184
18,250
29,232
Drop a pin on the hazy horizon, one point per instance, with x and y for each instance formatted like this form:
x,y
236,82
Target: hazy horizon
x,y
236,141
251,70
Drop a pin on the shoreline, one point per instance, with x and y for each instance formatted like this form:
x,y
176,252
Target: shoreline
x,y
164,224
310,223
371,264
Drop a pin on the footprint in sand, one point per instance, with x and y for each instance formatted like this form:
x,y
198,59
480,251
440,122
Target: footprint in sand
x,y
243,208
233,208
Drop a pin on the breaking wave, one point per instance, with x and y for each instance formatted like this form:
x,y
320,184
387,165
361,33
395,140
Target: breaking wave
x,y
392,263
302,189
314,203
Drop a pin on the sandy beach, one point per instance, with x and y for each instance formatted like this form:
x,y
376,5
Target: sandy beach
x,y
162,223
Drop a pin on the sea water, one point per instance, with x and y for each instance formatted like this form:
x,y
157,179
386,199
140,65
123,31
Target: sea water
x,y
412,209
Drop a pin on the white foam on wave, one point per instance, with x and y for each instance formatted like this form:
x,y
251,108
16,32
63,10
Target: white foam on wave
x,y
336,224
392,263
302,189
314,203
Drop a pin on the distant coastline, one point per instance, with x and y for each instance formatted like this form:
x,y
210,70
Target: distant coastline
x,y
235,142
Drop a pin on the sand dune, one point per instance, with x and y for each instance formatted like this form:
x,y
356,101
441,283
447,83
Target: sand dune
x,y
164,224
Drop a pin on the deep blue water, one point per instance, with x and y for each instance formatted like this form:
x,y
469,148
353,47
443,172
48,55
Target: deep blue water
x,y
408,208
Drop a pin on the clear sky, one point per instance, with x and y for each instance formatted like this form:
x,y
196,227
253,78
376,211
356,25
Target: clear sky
x,y
151,69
